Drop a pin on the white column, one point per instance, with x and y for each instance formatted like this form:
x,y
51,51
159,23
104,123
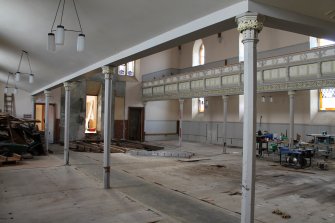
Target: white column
x,y
124,118
181,112
224,129
33,107
145,111
249,24
108,72
67,87
46,121
291,135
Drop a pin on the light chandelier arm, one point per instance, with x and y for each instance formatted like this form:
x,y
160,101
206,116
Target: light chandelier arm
x,y
9,73
18,73
75,8
61,18
55,17
18,68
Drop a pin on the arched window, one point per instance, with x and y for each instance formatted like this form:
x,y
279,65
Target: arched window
x,y
202,54
240,48
201,105
198,53
127,69
318,42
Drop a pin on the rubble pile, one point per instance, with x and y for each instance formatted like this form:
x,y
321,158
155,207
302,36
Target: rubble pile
x,y
19,136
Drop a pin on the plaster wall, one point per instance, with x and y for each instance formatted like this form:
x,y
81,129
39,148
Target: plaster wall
x,y
215,50
160,61
2,87
55,98
23,102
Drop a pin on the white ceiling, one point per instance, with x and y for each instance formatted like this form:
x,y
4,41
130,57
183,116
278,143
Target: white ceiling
x,y
121,28
320,9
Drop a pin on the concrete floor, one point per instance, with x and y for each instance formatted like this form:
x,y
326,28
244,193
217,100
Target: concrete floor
x,y
156,189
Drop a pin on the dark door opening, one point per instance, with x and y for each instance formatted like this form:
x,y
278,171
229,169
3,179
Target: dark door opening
x,y
136,123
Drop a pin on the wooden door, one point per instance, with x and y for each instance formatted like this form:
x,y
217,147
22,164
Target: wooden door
x,y
136,123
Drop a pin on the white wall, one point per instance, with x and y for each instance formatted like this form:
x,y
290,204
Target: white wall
x,y
162,110
228,48
274,38
23,102
160,61
55,97
319,117
278,110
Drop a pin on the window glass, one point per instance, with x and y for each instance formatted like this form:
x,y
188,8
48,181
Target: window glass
x,y
202,54
201,104
122,69
240,49
327,99
130,68
318,42
127,69
198,57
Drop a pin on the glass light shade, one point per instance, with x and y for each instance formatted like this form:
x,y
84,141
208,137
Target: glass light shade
x,y
15,90
60,34
6,90
271,99
80,42
263,99
31,78
17,76
51,42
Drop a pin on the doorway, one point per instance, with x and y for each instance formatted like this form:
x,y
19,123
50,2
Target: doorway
x,y
136,123
40,115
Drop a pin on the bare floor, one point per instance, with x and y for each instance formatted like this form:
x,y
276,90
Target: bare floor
x,y
205,188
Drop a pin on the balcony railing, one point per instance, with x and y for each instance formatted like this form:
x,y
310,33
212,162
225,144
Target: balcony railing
x,y
312,69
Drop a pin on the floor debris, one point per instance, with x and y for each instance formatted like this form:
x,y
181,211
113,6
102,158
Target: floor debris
x,y
281,213
19,136
96,145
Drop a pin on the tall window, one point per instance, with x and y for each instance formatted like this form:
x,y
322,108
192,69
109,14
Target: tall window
x,y
202,54
318,42
327,99
201,104
127,69
198,53
240,48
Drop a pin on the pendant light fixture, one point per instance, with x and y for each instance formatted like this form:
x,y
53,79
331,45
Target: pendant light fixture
x,y
18,73
57,36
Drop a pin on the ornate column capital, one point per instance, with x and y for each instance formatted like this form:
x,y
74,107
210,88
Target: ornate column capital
x,y
291,93
225,97
67,86
47,93
108,71
249,21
